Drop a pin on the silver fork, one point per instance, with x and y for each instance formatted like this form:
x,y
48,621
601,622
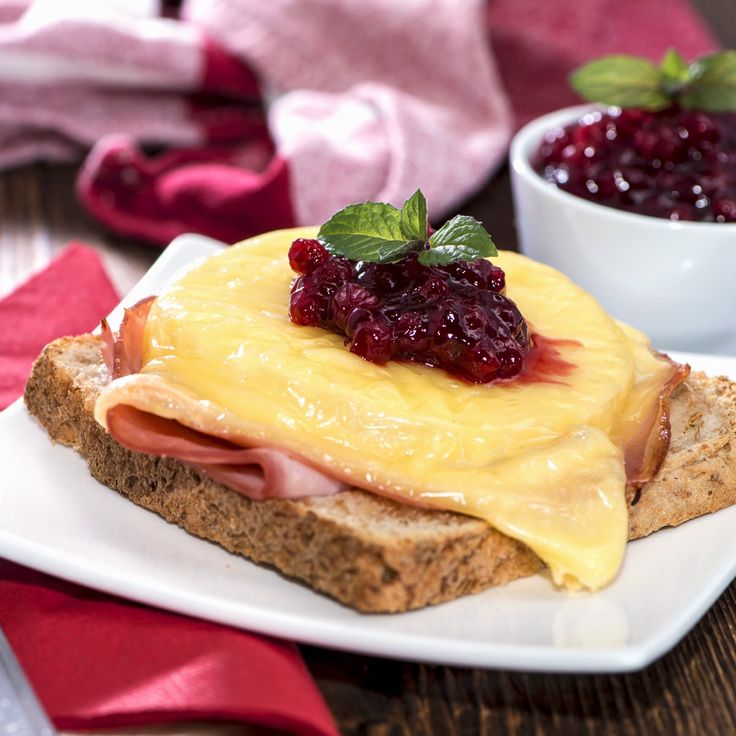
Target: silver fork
x,y
20,712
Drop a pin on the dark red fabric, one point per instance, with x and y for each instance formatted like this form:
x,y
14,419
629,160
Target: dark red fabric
x,y
67,298
95,660
225,75
100,662
203,190
232,187
537,43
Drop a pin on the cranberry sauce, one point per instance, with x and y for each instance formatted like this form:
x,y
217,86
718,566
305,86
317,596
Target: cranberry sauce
x,y
453,317
544,362
673,163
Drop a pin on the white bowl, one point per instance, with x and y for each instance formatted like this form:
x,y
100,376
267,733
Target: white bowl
x,y
676,281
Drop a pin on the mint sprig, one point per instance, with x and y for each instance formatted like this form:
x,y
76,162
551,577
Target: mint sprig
x,y
381,233
707,83
714,83
370,231
674,73
413,217
461,239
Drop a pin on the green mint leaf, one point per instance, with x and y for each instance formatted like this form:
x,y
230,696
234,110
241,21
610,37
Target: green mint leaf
x,y
461,239
621,80
713,85
370,231
414,217
442,255
674,72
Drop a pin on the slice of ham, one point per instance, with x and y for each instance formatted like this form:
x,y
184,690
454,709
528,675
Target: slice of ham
x,y
123,353
257,472
645,450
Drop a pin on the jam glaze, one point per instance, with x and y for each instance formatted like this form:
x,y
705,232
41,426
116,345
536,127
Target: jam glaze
x,y
544,362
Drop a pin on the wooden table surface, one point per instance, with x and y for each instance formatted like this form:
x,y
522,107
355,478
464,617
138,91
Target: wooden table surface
x,y
691,690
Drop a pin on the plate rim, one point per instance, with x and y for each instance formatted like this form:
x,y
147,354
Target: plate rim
x,y
623,658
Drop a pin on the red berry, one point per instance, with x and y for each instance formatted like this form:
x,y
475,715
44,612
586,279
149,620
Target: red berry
x,y
372,341
725,210
346,300
306,254
305,307
481,364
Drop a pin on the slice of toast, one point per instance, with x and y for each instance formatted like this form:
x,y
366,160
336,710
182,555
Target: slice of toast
x,y
366,551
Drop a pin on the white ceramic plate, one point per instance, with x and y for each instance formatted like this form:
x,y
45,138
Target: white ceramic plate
x,y
54,517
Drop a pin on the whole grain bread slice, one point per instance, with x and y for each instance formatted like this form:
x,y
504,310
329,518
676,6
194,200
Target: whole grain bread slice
x,y
366,551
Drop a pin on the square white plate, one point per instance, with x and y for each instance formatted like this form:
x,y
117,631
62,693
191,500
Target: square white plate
x,y
54,517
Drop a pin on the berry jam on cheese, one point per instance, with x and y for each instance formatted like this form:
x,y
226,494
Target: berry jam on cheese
x,y
454,316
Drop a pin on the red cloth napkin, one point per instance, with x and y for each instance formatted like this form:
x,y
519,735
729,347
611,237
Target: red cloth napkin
x,y
96,661
100,662
67,298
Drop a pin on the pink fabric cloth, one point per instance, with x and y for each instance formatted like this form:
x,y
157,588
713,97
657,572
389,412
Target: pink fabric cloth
x,y
278,113
373,98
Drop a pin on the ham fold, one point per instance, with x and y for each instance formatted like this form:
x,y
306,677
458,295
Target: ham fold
x,y
645,450
123,354
257,472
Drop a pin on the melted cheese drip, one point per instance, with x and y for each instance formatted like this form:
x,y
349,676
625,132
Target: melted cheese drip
x,y
536,460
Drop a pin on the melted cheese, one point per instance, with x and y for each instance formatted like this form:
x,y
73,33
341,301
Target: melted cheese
x,y
540,462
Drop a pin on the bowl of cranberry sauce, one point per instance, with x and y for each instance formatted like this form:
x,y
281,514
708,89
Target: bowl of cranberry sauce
x,y
639,208
672,163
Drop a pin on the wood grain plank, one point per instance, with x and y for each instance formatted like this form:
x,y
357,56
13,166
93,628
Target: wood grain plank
x,y
720,15
24,245
689,691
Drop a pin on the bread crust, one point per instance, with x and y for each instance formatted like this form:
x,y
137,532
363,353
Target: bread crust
x,y
366,551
